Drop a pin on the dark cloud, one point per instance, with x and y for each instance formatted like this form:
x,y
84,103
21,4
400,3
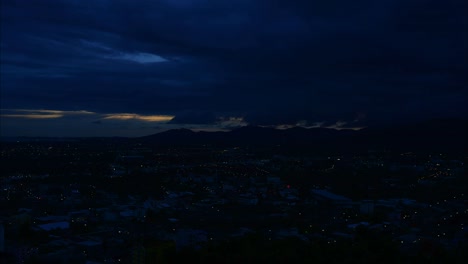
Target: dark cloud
x,y
271,62
194,118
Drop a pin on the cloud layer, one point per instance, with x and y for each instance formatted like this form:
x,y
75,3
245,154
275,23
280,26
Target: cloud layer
x,y
273,63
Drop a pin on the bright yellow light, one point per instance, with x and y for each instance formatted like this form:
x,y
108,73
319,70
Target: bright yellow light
x,y
34,116
50,114
147,118
40,113
48,111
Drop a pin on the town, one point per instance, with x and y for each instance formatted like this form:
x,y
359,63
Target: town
x,y
121,201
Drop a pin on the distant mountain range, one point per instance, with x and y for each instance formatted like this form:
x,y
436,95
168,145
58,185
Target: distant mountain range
x,y
446,135
443,135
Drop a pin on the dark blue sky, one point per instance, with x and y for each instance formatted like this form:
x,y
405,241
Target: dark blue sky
x,y
129,68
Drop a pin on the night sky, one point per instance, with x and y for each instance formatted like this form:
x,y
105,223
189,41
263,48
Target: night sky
x,y
133,68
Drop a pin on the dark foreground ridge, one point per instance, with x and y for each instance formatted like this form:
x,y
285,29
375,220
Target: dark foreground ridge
x,y
252,195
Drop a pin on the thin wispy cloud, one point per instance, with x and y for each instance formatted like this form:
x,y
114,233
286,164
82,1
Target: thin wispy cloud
x,y
232,122
33,116
147,118
141,57
40,113
96,45
341,125
108,52
52,114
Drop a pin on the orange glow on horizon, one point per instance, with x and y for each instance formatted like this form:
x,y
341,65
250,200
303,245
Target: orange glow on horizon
x,y
34,116
147,118
41,113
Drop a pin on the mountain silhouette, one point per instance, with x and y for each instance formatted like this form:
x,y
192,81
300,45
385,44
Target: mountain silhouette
x,y
433,135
